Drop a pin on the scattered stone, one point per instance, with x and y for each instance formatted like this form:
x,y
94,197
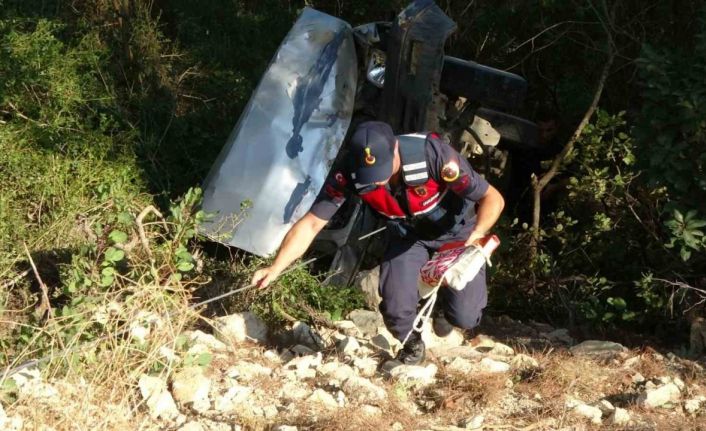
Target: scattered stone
x,y
665,395
482,343
381,342
492,366
347,346
238,327
192,426
247,371
323,398
336,370
473,423
461,365
293,391
447,354
159,401
523,362
638,378
272,356
397,427
269,411
234,396
605,406
363,390
367,367
201,338
168,353
631,362
619,417
303,334
285,428
369,410
368,283
577,407
348,327
598,349
415,374
694,405
366,321
559,336
190,385
301,350
26,376
431,340
501,349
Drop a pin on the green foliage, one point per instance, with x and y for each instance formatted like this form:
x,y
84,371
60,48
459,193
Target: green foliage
x,y
298,293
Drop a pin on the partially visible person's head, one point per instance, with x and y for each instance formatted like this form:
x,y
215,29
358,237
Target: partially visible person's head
x,y
372,148
547,124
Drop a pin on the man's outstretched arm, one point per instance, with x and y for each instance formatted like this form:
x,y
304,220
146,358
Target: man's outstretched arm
x,y
295,243
490,206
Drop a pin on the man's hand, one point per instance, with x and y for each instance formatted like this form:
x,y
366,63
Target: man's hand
x,y
474,238
263,277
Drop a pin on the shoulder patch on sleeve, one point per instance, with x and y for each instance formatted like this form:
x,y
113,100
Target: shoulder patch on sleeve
x,y
450,172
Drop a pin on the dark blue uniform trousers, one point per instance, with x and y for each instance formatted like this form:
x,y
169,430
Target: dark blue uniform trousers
x,y
399,273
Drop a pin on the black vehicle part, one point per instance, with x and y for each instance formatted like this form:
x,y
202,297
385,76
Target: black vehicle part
x,y
415,54
340,241
481,84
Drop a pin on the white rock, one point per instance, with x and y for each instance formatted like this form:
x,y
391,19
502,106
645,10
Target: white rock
x,y
474,423
348,327
632,362
432,341
367,367
272,356
28,375
304,366
492,366
482,343
239,327
461,365
285,428
593,413
12,423
234,396
207,340
192,426
363,390
501,349
347,346
336,370
371,411
638,378
269,411
168,353
523,362
159,401
368,283
3,415
323,398
415,374
619,417
661,396
247,371
694,405
293,391
190,385
300,350
605,406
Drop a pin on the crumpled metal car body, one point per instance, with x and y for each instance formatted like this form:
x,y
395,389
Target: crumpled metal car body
x,y
325,78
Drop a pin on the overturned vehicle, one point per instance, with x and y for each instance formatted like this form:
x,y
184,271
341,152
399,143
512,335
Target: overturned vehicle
x,y
325,78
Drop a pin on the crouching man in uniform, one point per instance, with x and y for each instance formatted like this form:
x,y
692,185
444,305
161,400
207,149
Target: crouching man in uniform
x,y
430,196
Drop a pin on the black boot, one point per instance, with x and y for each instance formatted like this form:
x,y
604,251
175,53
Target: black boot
x,y
413,351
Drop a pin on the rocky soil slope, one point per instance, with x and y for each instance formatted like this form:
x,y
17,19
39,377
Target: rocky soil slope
x,y
242,377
